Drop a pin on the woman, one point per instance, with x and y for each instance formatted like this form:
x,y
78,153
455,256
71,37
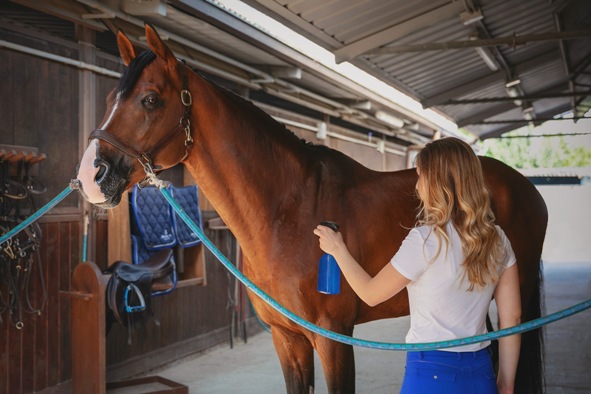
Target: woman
x,y
452,264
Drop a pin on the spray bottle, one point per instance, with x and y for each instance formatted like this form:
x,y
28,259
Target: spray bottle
x,y
329,273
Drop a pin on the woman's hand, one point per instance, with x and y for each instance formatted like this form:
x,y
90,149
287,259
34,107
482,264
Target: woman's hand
x,y
372,290
331,241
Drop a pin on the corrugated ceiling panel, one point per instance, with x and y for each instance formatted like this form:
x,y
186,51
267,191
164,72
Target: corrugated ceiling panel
x,y
205,34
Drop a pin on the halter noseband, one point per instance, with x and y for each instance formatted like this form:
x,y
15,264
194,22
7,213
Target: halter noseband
x,y
145,158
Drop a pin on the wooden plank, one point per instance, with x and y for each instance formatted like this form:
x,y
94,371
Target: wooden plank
x,y
7,100
119,239
88,331
4,364
65,273
15,339
28,331
53,267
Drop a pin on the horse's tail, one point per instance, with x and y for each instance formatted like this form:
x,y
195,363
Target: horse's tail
x,y
530,371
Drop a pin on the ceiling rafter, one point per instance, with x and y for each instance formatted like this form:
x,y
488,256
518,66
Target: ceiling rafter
x,y
393,33
488,80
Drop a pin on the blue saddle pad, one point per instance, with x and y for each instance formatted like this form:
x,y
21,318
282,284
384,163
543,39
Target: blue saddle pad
x,y
139,252
153,218
188,198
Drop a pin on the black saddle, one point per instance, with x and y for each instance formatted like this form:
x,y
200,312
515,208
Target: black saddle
x,y
130,288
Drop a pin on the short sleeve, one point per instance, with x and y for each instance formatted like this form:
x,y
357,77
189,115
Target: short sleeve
x,y
510,254
409,260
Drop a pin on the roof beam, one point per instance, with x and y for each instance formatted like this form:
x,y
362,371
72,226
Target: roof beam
x,y
485,114
464,89
511,41
512,126
393,33
527,97
490,79
546,119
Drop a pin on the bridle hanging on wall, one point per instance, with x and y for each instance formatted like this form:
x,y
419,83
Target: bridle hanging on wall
x,y
20,262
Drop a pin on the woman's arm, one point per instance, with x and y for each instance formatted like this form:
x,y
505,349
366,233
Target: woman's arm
x,y
508,301
372,290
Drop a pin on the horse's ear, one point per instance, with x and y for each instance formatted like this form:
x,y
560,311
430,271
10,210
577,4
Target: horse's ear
x,y
158,47
126,48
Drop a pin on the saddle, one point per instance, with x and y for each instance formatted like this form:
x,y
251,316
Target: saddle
x,y
131,286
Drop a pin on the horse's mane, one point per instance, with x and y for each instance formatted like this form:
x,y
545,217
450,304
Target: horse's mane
x,y
278,126
133,71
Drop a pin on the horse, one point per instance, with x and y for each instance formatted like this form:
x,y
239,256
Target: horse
x,y
272,189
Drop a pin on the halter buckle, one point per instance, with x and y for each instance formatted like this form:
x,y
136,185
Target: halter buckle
x,y
186,98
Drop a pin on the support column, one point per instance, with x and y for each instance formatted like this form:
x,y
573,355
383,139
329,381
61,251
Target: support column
x,y
87,122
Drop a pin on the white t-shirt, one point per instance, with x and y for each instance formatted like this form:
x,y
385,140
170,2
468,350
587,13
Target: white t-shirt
x,y
441,307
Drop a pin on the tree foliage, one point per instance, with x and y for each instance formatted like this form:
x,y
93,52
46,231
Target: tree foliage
x,y
541,152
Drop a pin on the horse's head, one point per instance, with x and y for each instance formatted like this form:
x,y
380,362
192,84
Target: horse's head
x,y
146,127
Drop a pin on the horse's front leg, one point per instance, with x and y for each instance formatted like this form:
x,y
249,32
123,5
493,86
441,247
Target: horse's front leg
x,y
296,356
338,364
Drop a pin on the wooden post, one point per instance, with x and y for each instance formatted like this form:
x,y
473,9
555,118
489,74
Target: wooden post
x,y
89,371
88,329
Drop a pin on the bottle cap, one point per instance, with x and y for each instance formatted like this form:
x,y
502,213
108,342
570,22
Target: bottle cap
x,y
334,226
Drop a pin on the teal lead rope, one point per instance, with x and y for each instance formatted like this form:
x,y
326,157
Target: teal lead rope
x,y
74,185
528,326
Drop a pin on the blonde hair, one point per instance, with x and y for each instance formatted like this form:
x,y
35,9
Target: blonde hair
x,y
451,188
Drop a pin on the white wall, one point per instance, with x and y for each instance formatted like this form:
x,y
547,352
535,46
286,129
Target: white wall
x,y
568,238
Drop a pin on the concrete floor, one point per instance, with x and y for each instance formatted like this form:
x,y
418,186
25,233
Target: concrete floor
x,y
253,367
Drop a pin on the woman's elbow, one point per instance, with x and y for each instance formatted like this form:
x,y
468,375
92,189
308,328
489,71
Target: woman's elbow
x,y
510,319
372,300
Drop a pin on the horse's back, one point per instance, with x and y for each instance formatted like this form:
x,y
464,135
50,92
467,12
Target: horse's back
x,y
382,207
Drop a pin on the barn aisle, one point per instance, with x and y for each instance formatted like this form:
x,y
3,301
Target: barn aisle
x,y
253,367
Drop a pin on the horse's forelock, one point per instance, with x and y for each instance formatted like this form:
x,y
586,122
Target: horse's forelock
x,y
133,71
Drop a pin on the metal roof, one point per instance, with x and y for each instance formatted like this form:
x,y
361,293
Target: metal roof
x,y
392,40
458,56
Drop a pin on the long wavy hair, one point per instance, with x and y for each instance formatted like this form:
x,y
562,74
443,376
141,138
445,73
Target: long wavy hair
x,y
451,188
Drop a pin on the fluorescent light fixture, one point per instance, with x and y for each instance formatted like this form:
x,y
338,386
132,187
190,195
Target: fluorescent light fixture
x,y
512,92
144,7
471,17
389,119
528,113
322,131
514,82
487,58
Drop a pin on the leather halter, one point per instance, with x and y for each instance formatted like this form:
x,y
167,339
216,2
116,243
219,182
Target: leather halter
x,y
145,158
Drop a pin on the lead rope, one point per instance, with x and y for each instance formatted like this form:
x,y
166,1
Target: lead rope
x,y
524,327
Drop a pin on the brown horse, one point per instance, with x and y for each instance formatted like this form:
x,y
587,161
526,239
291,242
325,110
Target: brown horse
x,y
272,189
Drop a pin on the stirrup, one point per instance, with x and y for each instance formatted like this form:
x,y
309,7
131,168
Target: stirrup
x,y
134,308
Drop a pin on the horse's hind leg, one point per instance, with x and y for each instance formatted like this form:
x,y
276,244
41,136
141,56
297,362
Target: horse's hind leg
x,y
338,364
296,356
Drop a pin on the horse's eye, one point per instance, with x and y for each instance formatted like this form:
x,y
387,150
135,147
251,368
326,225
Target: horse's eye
x,y
151,101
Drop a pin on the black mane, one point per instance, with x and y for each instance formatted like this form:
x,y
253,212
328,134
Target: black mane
x,y
133,71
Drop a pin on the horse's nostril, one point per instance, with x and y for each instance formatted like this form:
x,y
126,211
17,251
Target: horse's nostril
x,y
103,168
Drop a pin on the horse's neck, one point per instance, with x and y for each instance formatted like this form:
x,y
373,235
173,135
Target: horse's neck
x,y
242,160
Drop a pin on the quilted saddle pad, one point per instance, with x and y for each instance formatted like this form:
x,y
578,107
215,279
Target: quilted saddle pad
x,y
153,218
188,198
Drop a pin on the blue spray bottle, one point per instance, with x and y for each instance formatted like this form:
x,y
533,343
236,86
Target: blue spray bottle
x,y
329,273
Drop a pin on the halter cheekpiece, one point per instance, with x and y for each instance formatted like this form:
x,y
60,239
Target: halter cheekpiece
x,y
145,158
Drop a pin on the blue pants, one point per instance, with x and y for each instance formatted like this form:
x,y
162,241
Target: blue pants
x,y
440,372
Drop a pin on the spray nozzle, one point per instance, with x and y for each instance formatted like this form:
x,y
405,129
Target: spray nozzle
x,y
334,226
